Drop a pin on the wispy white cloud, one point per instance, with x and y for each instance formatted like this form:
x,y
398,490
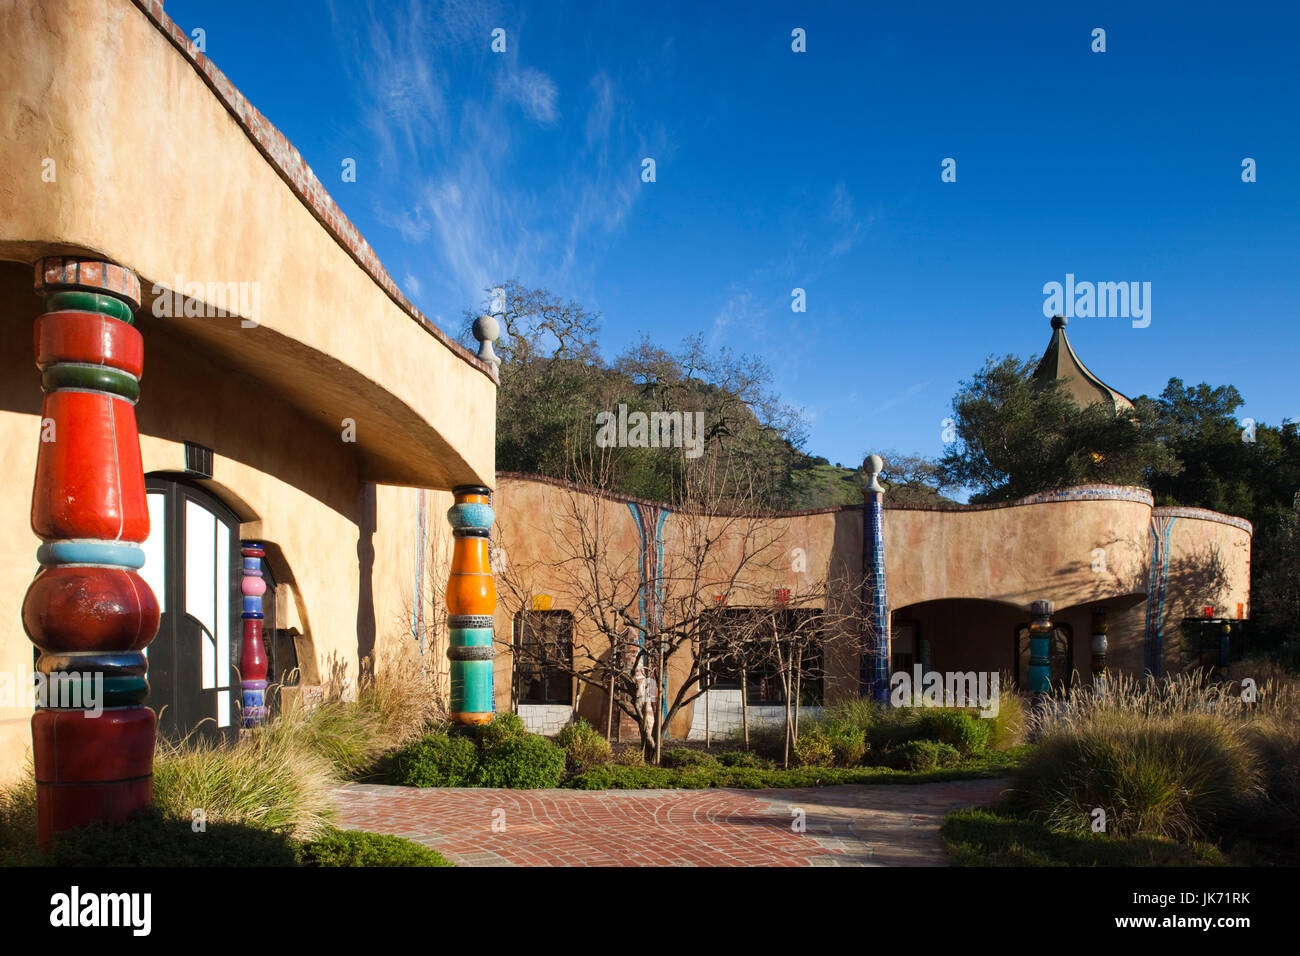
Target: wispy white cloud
x,y
451,124
533,90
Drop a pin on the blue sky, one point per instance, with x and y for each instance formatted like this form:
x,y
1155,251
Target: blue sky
x,y
820,170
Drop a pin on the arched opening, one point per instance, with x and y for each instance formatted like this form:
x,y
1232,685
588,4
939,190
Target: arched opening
x,y
194,566
192,563
954,634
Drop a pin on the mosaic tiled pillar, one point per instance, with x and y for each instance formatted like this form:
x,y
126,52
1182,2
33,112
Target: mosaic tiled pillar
x,y
875,670
252,653
87,610
471,602
1099,628
1153,645
1040,648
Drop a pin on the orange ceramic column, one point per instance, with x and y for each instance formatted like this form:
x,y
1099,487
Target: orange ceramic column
x,y
471,602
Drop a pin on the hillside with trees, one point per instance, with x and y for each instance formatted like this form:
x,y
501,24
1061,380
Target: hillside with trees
x,y
1014,436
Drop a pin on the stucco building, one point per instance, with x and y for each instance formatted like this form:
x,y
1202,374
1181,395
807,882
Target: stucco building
x,y
293,403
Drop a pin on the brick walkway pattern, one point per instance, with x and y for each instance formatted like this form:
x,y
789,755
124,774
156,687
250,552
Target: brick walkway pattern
x,y
879,825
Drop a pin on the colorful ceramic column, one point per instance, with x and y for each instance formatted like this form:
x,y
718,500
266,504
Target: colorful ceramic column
x,y
1099,628
1040,642
87,610
471,602
875,670
252,653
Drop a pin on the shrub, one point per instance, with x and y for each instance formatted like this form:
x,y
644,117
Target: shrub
x,y
918,755
584,747
893,726
151,838
436,760
359,848
848,744
813,749
963,729
1171,775
743,758
525,762
615,777
684,757
504,727
860,712
630,757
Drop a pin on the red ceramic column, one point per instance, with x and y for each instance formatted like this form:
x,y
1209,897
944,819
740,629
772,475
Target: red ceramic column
x,y
87,610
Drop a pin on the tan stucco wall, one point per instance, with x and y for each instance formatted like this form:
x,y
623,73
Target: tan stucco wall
x,y
154,173
343,550
967,575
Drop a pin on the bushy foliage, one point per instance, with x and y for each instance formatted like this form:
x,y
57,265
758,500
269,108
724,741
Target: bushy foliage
x,y
684,757
1017,435
504,727
963,729
359,848
525,762
921,755
152,838
584,746
743,758
813,749
437,760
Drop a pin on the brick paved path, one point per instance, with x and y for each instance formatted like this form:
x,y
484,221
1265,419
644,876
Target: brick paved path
x,y
879,825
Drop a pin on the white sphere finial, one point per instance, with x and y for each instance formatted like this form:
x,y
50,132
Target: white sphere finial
x,y
875,465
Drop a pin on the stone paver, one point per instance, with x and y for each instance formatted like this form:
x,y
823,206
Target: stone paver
x,y
879,825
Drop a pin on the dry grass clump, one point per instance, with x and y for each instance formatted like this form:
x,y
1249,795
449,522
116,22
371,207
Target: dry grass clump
x,y
1179,757
267,779
1171,775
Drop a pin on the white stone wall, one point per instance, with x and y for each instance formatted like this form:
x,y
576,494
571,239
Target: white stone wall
x,y
724,714
545,719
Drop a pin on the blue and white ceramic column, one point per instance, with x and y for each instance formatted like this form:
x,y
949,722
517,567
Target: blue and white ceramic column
x,y
874,674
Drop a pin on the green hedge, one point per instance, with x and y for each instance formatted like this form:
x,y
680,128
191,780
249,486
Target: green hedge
x,y
922,755
437,760
359,848
505,756
750,778
521,763
152,839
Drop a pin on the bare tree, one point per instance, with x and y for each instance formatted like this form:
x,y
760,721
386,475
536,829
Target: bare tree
x,y
652,637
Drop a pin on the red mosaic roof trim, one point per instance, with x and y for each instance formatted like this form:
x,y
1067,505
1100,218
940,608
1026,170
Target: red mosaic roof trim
x,y
293,169
94,275
1204,514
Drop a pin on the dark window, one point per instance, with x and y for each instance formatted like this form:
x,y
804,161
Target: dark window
x,y
904,642
1212,644
1060,656
543,657
758,644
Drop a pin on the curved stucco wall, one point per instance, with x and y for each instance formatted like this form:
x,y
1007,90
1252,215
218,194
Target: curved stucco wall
x,y
344,550
972,571
154,172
